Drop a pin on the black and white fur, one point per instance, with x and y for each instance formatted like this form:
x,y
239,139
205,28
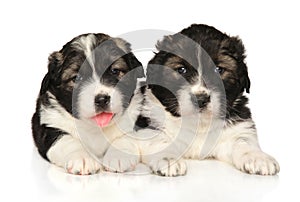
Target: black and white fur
x,y
195,105
88,69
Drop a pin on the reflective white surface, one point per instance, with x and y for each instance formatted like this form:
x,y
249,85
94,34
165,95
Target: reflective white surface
x,y
205,181
31,30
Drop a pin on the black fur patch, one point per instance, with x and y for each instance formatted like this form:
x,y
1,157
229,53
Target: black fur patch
x,y
142,122
239,111
44,136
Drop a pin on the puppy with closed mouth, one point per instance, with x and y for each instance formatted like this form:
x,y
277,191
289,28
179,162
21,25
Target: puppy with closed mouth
x,y
195,104
86,101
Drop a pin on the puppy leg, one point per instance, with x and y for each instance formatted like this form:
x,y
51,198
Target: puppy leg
x,y
167,166
239,146
69,153
161,154
254,161
122,155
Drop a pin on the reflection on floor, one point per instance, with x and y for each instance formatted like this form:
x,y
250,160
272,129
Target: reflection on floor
x,y
205,181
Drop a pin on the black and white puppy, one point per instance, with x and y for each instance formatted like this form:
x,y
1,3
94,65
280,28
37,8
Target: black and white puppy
x,y
195,104
86,100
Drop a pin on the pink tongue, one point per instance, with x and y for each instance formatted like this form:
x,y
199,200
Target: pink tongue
x,y
103,119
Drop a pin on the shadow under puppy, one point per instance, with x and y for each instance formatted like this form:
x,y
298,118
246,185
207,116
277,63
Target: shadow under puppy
x,y
86,100
194,104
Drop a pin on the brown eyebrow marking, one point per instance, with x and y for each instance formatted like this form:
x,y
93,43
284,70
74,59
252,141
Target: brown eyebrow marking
x,y
120,64
173,62
227,62
70,71
230,65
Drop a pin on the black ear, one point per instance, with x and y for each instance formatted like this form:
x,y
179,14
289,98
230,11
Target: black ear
x,y
244,79
171,43
235,48
55,61
54,69
134,63
45,84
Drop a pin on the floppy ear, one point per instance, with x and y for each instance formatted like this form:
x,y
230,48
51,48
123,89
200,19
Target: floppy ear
x,y
45,84
235,48
55,61
170,43
54,69
244,79
134,63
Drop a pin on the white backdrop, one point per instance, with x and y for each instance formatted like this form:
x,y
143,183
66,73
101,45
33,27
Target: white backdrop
x,y
31,30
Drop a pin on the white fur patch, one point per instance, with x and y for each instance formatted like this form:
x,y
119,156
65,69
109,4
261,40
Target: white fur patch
x,y
123,155
185,103
239,146
129,117
57,117
68,153
257,162
87,43
199,88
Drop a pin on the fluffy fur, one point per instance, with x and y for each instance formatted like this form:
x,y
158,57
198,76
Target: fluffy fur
x,y
87,70
196,106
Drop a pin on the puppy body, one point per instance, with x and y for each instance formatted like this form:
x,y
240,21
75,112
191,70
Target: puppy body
x,y
92,74
196,104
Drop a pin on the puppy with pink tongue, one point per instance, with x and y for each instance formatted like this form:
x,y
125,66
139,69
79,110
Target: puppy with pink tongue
x,y
76,122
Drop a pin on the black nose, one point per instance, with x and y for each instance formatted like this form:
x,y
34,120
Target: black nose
x,y
201,100
102,101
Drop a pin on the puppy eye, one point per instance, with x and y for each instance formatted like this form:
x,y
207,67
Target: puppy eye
x,y
115,71
219,70
77,78
181,70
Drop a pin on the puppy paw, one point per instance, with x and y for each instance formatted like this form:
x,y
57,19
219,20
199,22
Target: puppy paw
x,y
82,166
258,163
118,161
168,167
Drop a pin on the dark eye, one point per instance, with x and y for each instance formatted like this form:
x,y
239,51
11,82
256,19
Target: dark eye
x,y
181,70
77,78
219,70
115,71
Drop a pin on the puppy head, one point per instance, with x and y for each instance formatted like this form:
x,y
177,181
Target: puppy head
x,y
199,69
92,74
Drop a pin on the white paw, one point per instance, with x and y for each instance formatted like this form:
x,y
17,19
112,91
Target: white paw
x,y
82,166
168,167
118,161
258,162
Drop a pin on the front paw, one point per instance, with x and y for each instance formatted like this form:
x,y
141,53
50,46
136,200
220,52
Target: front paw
x,y
82,166
168,167
257,162
118,161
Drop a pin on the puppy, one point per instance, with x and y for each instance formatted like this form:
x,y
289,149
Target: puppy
x,y
195,104
86,101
